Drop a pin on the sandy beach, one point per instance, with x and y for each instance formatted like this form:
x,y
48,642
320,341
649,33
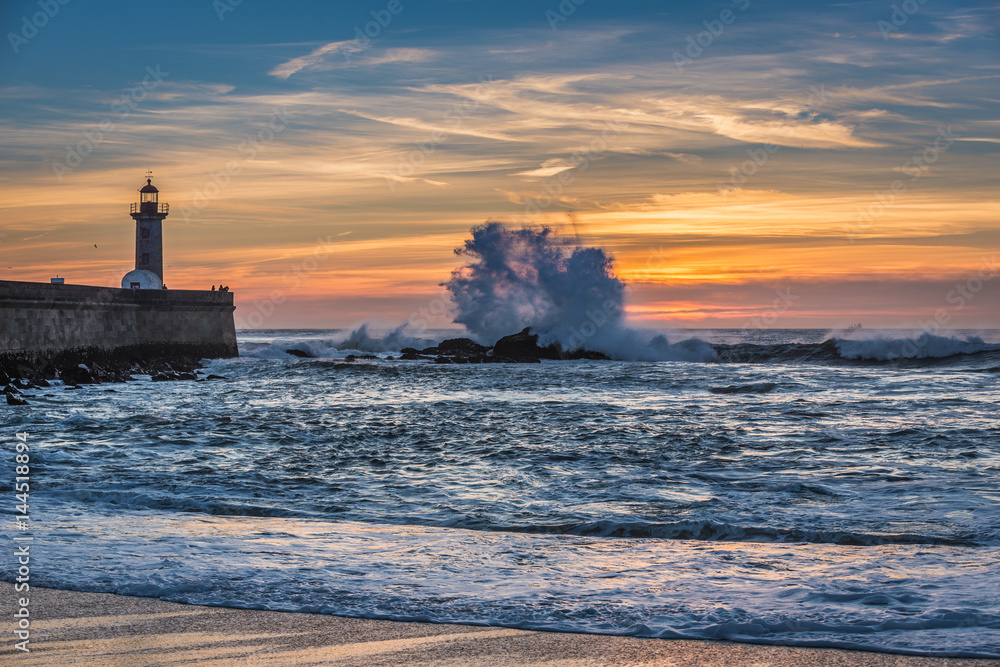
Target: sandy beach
x,y
100,629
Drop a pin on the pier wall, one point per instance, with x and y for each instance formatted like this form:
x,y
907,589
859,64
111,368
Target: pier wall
x,y
43,324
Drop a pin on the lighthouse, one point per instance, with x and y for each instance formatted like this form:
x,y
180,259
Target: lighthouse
x,y
148,214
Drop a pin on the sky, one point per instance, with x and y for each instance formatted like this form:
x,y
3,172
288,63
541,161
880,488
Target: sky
x,y
746,163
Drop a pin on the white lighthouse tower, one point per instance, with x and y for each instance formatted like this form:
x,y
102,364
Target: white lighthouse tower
x,y
148,214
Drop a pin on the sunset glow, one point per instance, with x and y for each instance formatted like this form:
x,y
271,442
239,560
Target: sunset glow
x,y
803,149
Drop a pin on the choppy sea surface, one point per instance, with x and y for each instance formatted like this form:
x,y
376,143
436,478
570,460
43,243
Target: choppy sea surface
x,y
799,488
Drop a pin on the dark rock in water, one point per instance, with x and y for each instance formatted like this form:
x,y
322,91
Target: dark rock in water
x,y
15,399
758,388
186,376
523,348
455,350
165,377
10,389
465,347
161,366
108,375
92,367
517,347
302,354
79,374
216,377
355,357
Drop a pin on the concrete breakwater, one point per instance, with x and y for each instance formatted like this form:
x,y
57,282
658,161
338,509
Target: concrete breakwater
x,y
48,329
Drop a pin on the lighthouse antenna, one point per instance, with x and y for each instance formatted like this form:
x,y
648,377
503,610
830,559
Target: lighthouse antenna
x,y
149,173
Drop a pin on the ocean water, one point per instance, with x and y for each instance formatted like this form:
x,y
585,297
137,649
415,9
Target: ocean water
x,y
783,487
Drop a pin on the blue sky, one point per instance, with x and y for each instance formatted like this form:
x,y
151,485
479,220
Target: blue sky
x,y
630,124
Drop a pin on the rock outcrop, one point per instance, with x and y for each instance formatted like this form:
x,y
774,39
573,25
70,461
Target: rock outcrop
x,y
452,351
16,399
73,372
523,348
519,348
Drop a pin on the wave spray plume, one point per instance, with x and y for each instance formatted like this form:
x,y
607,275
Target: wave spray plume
x,y
533,278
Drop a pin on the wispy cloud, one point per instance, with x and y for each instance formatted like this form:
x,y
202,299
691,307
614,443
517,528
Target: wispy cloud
x,y
393,56
548,168
348,53
430,126
316,57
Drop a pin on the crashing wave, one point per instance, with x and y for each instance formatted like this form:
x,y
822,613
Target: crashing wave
x,y
359,340
566,293
925,346
631,345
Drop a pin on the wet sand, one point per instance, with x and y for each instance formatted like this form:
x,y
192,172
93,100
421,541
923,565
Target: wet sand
x,y
70,628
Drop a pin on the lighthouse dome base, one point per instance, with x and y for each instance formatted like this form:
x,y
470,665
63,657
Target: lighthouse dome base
x,y
141,279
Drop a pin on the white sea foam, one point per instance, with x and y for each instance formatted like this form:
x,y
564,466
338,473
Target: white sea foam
x,y
885,348
361,339
797,595
626,344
